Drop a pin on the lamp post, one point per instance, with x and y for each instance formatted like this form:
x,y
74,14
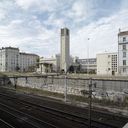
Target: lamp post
x,y
88,57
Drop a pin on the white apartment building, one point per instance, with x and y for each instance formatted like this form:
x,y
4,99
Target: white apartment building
x,y
65,49
49,64
123,52
107,64
9,59
12,60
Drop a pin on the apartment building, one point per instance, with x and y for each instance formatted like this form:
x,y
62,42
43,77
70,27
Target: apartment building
x,y
9,59
12,60
107,64
123,52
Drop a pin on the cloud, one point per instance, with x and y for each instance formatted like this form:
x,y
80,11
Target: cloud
x,y
30,36
102,34
34,25
5,6
44,5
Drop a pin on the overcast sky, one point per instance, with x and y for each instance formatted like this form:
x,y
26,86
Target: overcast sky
x,y
34,25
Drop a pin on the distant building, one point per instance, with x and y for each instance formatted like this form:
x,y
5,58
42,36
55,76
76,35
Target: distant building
x,y
65,49
49,64
123,52
12,60
27,61
107,64
87,65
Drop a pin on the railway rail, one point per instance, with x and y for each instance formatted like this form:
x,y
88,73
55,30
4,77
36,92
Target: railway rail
x,y
4,124
59,114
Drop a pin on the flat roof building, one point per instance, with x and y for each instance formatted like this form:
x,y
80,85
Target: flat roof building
x,y
107,63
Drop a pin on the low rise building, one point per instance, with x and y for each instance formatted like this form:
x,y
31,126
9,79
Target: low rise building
x,y
49,64
107,64
87,65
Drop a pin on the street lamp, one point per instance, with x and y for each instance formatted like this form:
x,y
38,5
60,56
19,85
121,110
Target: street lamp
x,y
88,57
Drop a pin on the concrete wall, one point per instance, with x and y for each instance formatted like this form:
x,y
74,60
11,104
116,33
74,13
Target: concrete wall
x,y
110,89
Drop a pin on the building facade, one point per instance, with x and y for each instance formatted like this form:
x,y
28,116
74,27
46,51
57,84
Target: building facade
x,y
12,60
48,65
27,61
9,59
65,49
123,52
88,65
107,64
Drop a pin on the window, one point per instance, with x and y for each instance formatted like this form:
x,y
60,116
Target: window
x,y
124,47
124,54
67,32
62,32
124,62
124,69
124,39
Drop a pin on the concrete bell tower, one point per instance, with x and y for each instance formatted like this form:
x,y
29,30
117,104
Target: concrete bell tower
x,y
65,49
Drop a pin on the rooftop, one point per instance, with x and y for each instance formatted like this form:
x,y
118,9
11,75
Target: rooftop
x,y
123,33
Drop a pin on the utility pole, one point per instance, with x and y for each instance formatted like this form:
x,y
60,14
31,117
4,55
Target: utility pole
x,y
90,103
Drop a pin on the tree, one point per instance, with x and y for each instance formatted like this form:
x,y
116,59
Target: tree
x,y
71,69
17,68
37,62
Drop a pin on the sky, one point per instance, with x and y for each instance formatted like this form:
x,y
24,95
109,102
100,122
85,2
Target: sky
x,y
34,25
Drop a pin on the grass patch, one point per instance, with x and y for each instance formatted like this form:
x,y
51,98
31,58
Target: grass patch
x,y
39,92
73,98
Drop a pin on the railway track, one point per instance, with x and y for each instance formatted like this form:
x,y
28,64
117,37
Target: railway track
x,y
18,119
59,113
4,124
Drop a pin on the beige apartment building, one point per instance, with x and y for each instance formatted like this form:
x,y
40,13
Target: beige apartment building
x,y
107,64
